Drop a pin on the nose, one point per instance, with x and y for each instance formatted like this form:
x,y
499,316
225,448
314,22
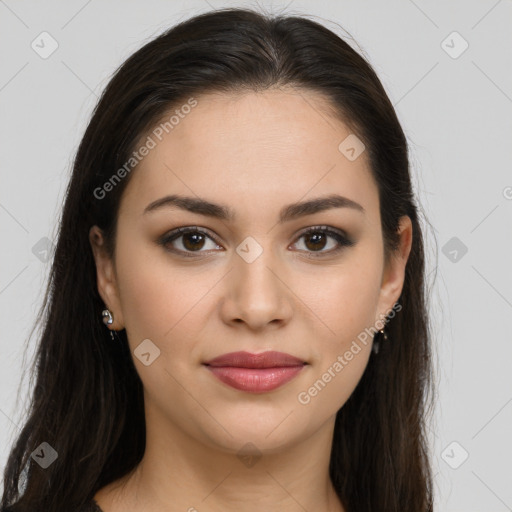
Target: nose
x,y
257,293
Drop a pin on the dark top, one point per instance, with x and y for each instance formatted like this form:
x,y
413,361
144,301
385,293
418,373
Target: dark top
x,y
91,506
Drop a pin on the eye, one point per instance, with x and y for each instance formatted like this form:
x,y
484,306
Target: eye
x,y
316,239
193,240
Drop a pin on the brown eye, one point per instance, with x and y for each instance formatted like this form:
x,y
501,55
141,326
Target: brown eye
x,y
192,240
316,239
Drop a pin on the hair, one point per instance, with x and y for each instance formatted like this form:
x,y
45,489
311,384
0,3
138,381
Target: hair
x,y
87,402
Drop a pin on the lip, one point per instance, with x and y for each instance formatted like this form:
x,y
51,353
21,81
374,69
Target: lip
x,y
256,373
269,359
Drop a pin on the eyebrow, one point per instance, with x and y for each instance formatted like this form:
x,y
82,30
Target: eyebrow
x,y
222,212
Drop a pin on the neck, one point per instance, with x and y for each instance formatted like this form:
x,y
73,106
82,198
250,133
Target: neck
x,y
178,472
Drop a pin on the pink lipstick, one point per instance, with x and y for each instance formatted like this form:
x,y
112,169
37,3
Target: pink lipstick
x,y
256,373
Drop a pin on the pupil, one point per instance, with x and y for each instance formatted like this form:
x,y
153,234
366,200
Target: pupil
x,y
194,245
318,244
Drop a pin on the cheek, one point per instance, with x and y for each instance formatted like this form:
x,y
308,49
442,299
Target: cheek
x,y
150,295
345,310
342,301
159,302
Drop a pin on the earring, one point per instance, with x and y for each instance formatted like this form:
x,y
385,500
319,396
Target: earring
x,y
376,342
107,317
108,320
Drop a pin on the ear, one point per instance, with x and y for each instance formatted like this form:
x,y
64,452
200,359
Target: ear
x,y
394,273
106,278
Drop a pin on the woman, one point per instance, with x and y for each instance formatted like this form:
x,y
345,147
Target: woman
x,y
236,317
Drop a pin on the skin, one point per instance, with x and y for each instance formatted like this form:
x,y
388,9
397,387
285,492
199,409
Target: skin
x,y
254,152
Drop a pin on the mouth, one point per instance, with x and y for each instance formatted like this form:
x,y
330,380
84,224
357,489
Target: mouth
x,y
256,373
269,359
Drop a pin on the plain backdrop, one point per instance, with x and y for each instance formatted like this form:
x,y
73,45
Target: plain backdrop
x,y
447,68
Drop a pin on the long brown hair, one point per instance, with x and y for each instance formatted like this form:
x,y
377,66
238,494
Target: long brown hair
x,y
87,402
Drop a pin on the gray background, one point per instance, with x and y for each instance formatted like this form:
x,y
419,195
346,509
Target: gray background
x,y
456,111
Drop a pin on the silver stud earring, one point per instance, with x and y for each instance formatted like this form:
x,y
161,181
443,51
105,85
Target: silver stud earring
x,y
376,342
108,320
107,317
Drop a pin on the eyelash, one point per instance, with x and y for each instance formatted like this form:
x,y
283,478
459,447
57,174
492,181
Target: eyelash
x,y
342,240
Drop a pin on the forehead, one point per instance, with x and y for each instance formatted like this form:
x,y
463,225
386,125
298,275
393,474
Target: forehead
x,y
249,150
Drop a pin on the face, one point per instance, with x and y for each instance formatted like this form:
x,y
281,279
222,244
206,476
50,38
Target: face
x,y
252,282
